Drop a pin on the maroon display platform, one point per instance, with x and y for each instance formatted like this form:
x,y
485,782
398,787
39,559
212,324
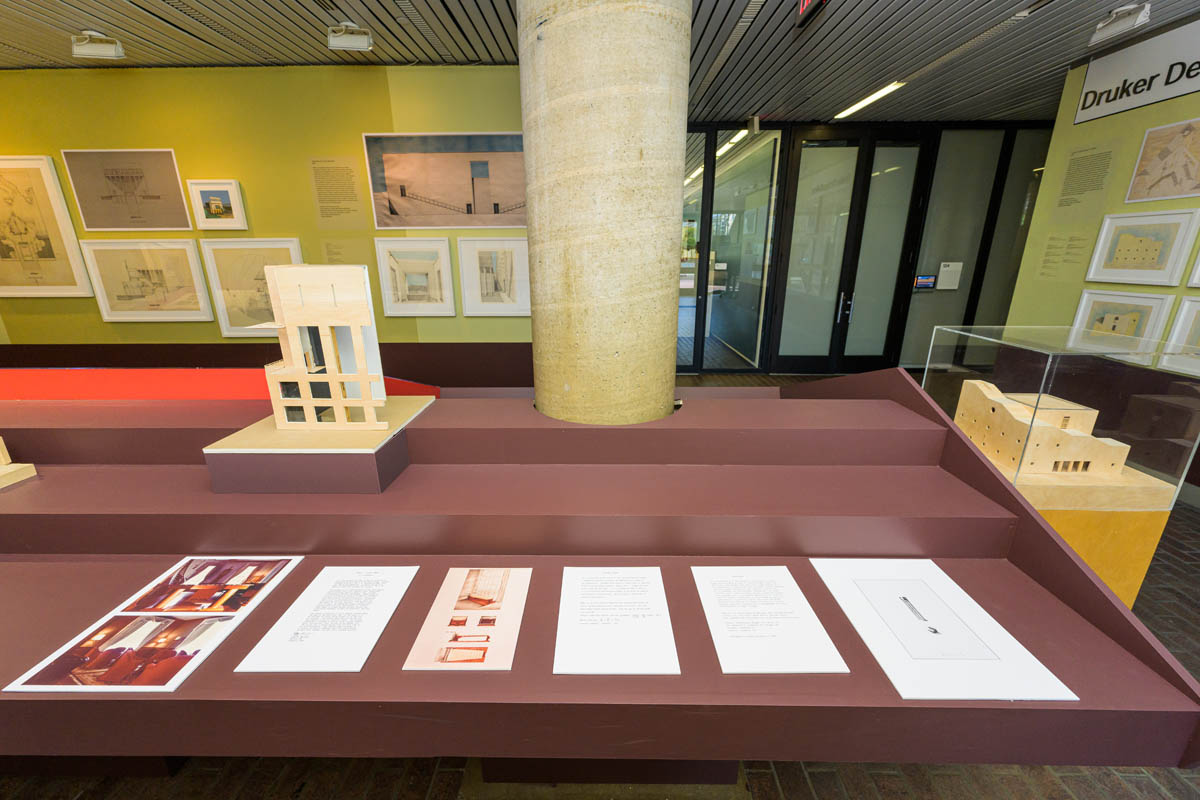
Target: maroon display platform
x,y
870,467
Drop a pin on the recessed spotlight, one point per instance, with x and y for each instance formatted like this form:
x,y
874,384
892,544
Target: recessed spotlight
x,y
92,44
348,36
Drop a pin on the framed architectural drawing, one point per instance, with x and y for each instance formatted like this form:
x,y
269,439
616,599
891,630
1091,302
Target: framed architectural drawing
x,y
147,281
494,276
127,190
446,180
1168,165
237,273
217,205
1115,322
1144,248
415,277
1181,353
39,254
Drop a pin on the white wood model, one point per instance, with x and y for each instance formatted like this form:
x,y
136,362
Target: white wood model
x,y
1060,434
11,473
330,377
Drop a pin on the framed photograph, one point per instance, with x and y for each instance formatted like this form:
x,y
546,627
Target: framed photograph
x,y
147,281
446,180
237,273
1144,248
1182,350
39,254
1168,164
415,277
1111,322
494,276
127,190
217,205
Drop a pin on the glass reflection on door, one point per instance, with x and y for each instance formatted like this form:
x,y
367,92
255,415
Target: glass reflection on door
x,y
689,256
742,220
823,191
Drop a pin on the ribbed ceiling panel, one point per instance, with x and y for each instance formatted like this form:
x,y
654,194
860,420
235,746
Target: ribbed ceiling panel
x,y
747,56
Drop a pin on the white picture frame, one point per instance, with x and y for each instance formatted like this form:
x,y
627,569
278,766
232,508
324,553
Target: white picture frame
x,y
1152,310
156,198
217,205
1163,157
1185,334
424,181
239,286
166,272
512,298
49,219
1129,239
421,285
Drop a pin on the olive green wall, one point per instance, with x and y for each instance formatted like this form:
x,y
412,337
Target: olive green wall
x,y
1051,299
261,126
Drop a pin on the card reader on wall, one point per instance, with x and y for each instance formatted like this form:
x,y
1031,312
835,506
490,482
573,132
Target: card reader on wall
x,y
948,274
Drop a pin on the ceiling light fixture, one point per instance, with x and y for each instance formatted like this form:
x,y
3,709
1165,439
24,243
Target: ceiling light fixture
x,y
693,176
348,36
866,101
93,44
1120,20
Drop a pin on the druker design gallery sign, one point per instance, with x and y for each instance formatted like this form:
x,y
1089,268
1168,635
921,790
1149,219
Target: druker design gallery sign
x,y
1166,66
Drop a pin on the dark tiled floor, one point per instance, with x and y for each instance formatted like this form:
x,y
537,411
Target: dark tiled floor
x,y
1169,605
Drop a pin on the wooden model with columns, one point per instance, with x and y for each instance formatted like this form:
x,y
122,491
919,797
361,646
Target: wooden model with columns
x,y
330,377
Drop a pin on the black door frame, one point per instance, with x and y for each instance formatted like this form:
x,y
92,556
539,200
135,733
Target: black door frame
x,y
867,136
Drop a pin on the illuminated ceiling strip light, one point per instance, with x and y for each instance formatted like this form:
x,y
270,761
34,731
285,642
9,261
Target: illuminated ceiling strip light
x,y
693,176
866,101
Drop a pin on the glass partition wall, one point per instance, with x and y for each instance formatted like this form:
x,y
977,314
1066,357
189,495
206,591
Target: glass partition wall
x,y
819,248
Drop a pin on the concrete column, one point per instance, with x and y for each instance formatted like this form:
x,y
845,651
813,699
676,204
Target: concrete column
x,y
604,106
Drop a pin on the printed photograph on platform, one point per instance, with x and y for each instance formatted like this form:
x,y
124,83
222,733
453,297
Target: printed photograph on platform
x,y
474,621
1181,353
211,585
1147,249
129,653
39,253
217,205
446,180
494,277
1168,164
1120,322
237,273
147,281
415,277
127,190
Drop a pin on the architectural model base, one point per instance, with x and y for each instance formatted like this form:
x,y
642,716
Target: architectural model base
x,y
263,459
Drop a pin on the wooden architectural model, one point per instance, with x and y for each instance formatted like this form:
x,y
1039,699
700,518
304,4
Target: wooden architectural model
x,y
1060,433
331,376
11,473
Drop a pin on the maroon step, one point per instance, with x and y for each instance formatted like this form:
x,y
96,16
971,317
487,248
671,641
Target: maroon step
x,y
504,508
706,430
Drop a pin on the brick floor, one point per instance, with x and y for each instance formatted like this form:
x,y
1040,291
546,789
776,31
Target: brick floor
x,y
1169,605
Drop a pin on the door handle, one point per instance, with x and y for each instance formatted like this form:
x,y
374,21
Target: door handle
x,y
845,306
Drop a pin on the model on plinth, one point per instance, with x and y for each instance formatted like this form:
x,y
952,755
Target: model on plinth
x,y
333,429
604,110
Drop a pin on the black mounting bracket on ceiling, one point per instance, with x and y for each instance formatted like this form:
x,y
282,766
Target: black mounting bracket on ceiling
x,y
806,11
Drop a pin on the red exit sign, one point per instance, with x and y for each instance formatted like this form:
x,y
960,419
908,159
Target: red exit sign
x,y
806,10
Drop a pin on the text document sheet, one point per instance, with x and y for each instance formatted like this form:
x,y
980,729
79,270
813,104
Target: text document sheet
x,y
614,621
335,622
761,622
931,638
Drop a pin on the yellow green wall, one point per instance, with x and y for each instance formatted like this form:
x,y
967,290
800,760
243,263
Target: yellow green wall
x,y
1042,300
260,126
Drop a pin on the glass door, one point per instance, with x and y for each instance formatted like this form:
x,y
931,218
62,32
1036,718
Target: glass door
x,y
729,199
851,226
